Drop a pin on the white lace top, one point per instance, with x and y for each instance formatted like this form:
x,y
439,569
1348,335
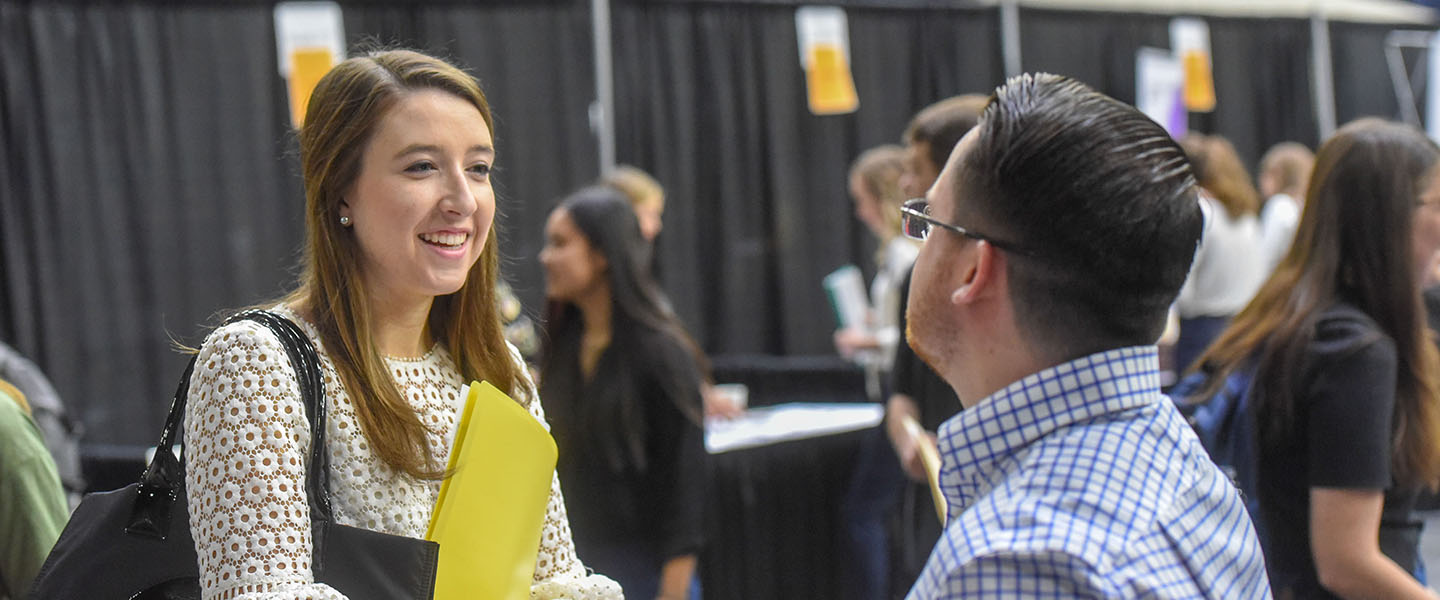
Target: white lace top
x,y
247,439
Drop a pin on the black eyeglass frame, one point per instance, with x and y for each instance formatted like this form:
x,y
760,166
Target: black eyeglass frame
x,y
915,208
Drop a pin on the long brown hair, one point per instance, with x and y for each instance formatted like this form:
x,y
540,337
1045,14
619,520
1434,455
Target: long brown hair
x,y
343,114
1219,170
1353,244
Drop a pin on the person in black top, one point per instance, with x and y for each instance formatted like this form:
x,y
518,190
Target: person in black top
x,y
876,488
1346,379
621,383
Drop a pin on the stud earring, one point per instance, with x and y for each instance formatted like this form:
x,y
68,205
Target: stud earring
x,y
344,221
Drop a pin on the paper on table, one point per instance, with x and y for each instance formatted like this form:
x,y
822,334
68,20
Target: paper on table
x,y
785,422
846,290
491,509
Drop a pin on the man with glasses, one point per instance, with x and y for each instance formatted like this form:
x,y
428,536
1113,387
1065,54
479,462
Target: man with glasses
x,y
1056,237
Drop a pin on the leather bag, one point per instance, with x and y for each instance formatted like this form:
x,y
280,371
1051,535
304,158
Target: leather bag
x,y
134,543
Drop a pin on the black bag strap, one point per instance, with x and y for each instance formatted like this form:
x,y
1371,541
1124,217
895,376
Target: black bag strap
x,y
164,476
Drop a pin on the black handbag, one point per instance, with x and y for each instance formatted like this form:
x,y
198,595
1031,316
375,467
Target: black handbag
x,y
134,543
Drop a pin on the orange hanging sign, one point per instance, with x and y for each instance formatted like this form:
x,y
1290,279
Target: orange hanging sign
x,y
309,40
830,83
824,37
1190,41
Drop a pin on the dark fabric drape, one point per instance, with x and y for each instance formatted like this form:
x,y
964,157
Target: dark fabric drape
x,y
1261,69
1362,77
1263,90
711,99
1095,48
148,176
142,192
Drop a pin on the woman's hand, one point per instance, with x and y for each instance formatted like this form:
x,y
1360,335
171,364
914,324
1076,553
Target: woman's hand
x,y
849,341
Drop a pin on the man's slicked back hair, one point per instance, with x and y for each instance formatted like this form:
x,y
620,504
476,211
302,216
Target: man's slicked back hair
x,y
1102,196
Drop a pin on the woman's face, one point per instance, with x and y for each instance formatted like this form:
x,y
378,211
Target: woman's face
x,y
867,207
422,205
573,268
1425,232
650,214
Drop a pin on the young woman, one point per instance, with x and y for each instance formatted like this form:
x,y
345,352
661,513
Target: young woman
x,y
1346,379
398,296
875,190
621,381
1228,268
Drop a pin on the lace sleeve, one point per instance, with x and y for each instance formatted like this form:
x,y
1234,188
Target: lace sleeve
x,y
558,573
246,435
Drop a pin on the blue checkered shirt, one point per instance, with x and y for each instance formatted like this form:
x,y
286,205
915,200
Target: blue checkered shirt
x,y
1082,481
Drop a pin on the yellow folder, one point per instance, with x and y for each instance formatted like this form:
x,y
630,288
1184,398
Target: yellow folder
x,y
491,509
930,457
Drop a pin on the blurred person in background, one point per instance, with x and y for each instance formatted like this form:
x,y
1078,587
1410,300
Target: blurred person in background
x,y
876,479
647,199
1346,399
1229,266
621,382
879,564
1284,171
33,509
874,185
62,433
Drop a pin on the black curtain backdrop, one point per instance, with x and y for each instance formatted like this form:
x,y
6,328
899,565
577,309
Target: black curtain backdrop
x,y
1263,88
142,191
711,99
1261,69
148,176
1363,85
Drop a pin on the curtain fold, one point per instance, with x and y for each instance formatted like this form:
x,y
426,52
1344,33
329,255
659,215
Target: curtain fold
x,y
711,99
149,178
1363,85
141,193
1261,68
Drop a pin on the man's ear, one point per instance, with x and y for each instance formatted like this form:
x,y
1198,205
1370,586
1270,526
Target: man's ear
x,y
982,270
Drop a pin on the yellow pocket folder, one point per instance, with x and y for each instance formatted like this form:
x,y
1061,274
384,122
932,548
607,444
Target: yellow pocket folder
x,y
491,510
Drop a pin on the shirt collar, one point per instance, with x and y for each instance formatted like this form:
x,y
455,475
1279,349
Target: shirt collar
x,y
975,443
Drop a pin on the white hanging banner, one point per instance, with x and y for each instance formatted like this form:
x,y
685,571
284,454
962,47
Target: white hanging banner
x,y
824,36
309,40
1160,89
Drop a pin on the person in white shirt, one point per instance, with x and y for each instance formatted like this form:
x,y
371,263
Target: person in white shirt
x,y
1228,267
1284,174
875,190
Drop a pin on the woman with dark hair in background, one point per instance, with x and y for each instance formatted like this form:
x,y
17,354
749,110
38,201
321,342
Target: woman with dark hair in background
x,y
621,382
1228,268
1346,382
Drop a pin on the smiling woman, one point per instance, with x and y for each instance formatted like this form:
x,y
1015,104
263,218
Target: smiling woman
x,y
398,296
422,206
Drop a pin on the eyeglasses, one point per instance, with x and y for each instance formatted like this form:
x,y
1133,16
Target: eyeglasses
x,y
916,222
